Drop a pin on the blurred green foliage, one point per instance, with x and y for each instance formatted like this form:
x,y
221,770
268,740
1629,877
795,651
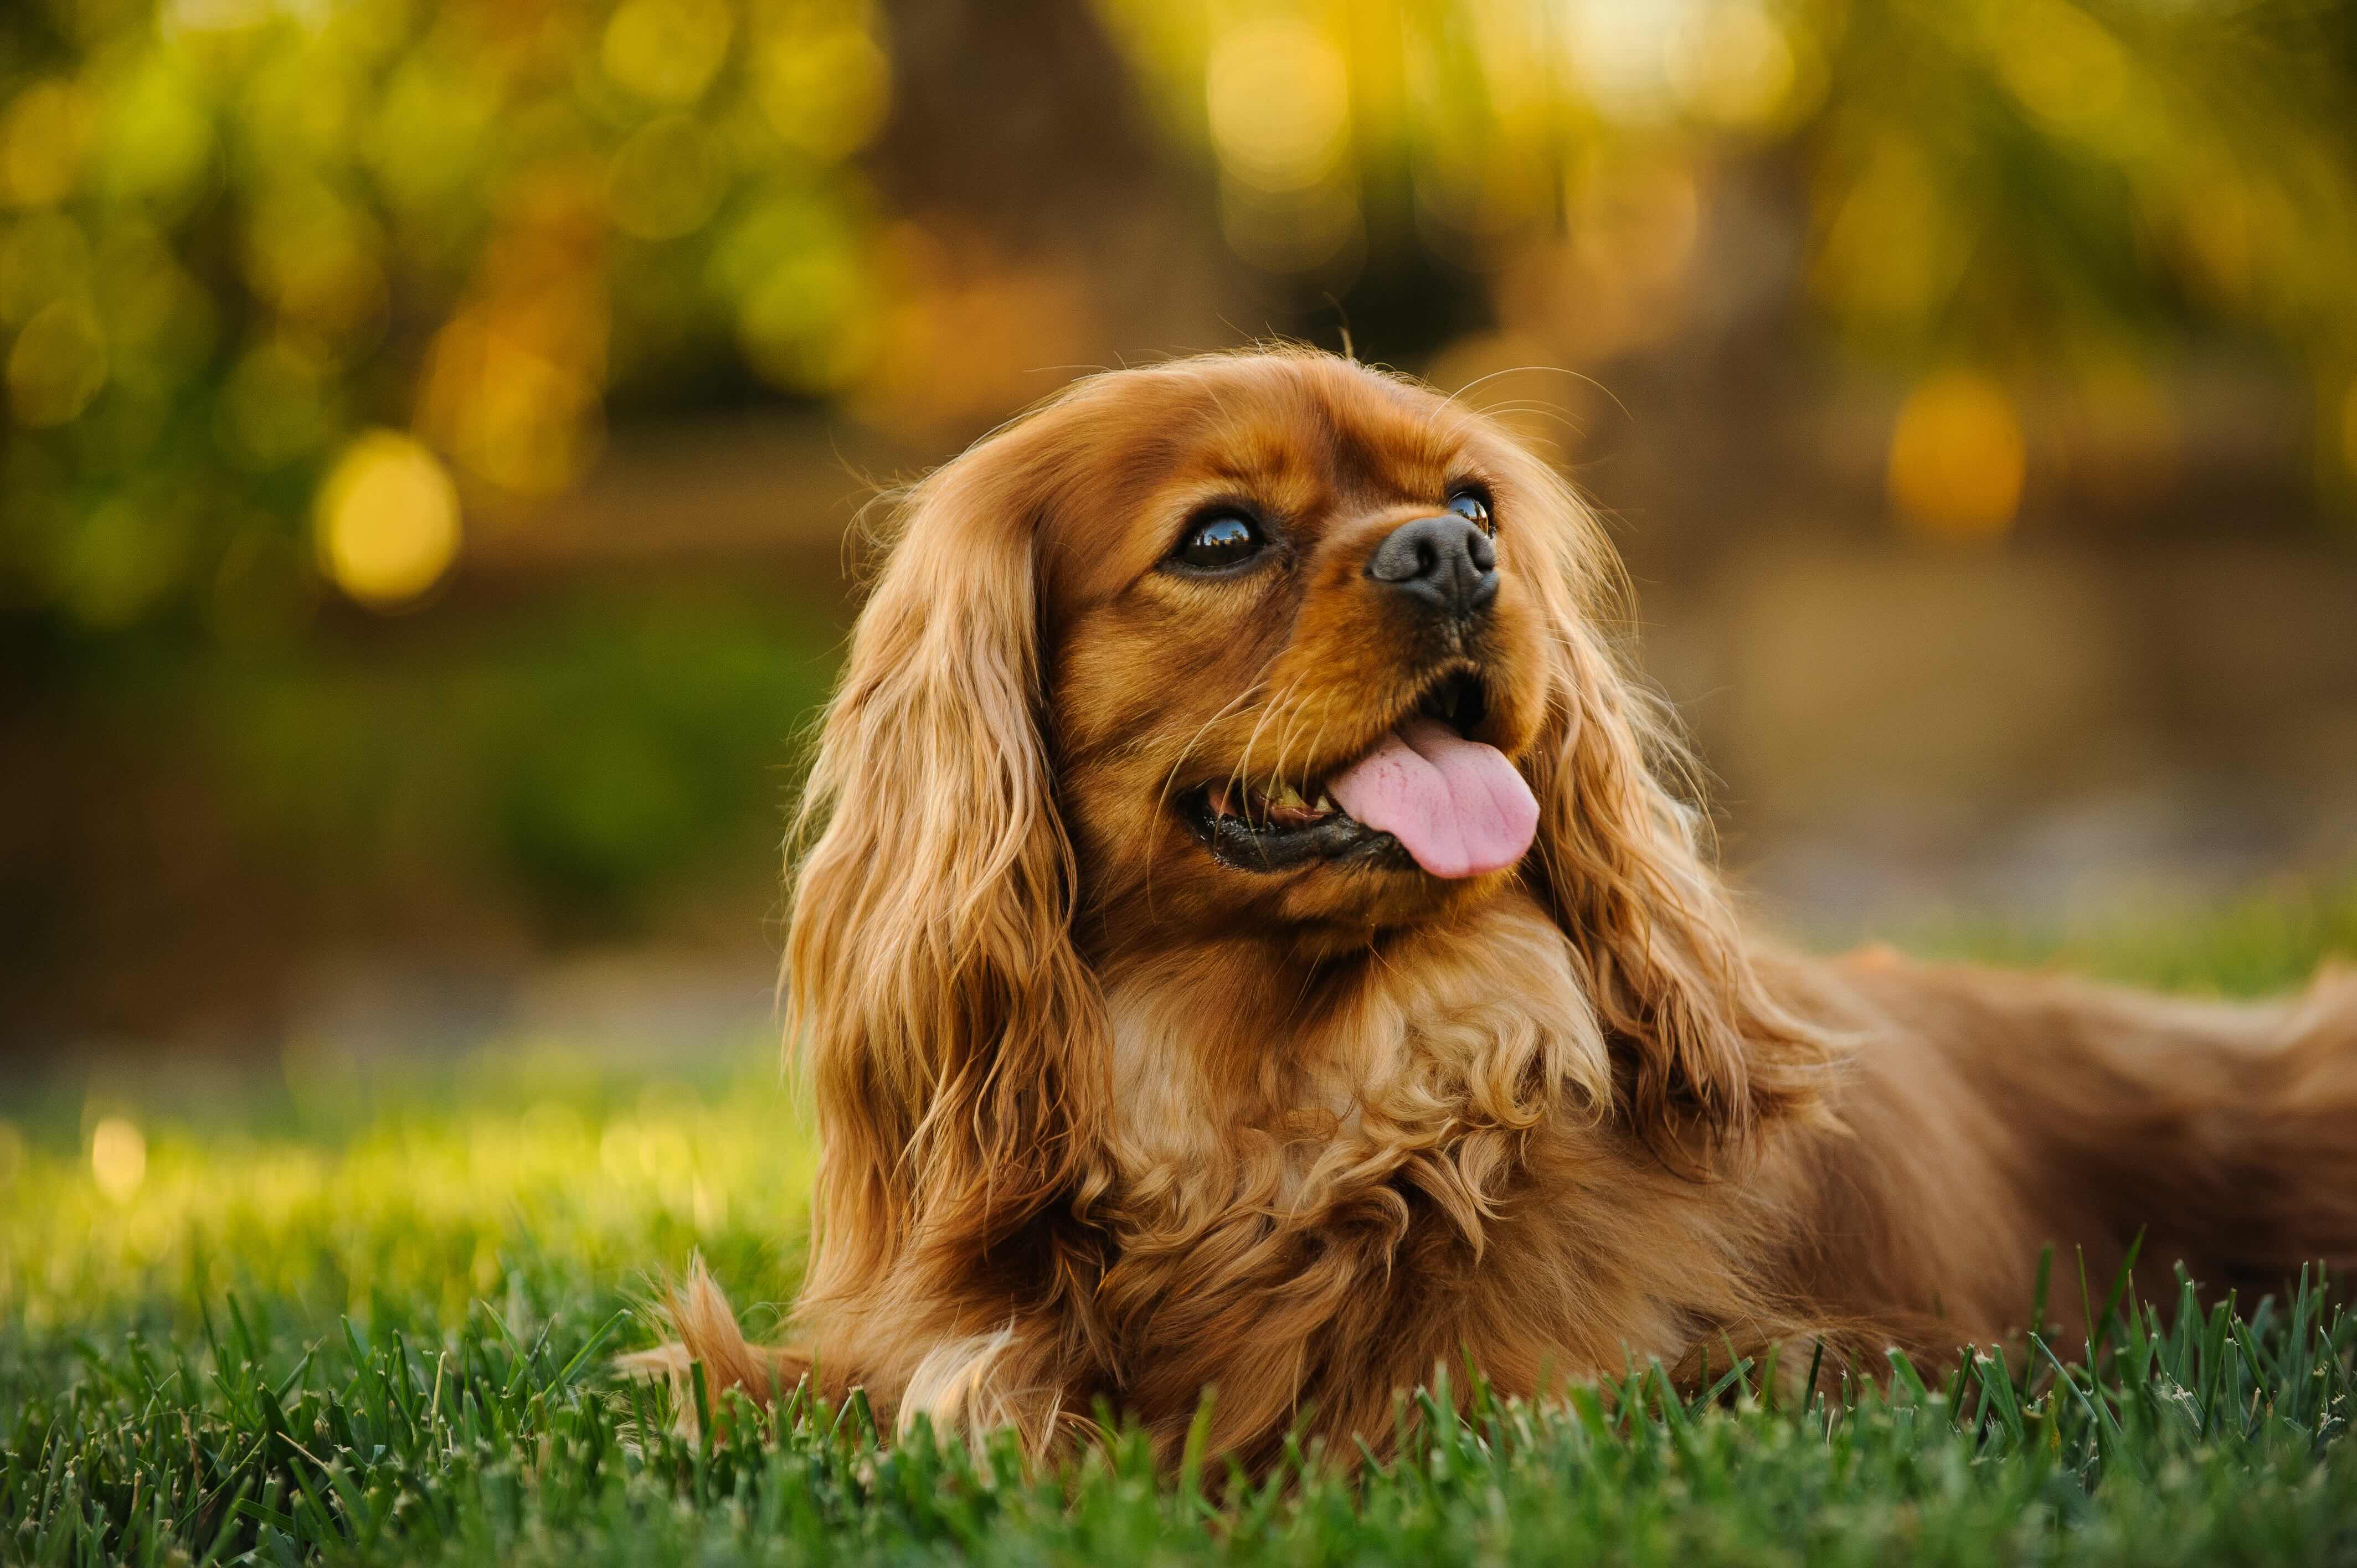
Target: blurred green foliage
x,y
2065,206
236,233
2027,183
596,746
574,761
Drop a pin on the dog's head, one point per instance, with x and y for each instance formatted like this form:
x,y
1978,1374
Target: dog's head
x,y
1268,649
1304,647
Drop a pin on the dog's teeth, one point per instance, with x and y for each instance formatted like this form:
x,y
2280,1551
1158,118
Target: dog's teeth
x,y
1269,804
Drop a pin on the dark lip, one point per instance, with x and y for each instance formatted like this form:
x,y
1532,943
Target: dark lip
x,y
1341,837
1455,693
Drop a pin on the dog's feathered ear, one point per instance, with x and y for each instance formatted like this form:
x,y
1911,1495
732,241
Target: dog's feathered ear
x,y
954,1036
1704,1051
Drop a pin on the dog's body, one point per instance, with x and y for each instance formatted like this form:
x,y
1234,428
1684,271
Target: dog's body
x,y
1251,947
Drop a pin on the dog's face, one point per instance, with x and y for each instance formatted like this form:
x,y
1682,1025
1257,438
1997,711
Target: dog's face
x,y
1299,649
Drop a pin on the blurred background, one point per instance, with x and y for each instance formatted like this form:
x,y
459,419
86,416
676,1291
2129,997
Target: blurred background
x,y
431,429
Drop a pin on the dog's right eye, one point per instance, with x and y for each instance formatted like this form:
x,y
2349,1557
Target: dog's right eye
x,y
1224,539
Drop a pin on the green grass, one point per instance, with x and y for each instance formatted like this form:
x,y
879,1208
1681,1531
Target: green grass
x,y
331,1314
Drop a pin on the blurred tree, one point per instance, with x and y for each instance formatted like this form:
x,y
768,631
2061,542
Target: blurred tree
x,y
291,288
281,281
1999,190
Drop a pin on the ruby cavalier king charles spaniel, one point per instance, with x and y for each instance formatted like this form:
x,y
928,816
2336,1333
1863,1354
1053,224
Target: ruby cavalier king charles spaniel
x,y
1248,940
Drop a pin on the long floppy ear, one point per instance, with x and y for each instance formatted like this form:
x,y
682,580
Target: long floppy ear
x,y
1707,1054
954,1038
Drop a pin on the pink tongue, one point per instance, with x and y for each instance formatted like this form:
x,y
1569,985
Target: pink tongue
x,y
1458,806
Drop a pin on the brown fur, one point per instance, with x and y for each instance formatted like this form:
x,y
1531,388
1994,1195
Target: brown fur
x,y
1106,1120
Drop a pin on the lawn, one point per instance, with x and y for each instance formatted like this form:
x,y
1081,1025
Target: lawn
x,y
363,1313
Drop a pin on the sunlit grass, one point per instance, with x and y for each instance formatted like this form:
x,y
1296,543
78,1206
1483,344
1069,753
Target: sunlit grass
x,y
347,1313
409,1199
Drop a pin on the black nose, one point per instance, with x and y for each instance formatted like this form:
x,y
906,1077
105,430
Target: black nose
x,y
1446,563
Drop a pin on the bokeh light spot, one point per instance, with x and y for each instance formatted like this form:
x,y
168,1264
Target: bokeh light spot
x,y
43,256
41,141
1957,457
1619,53
118,1158
667,49
666,180
157,316
315,256
388,520
1277,92
2060,66
510,387
125,557
825,94
156,139
1895,249
1279,97
432,130
792,325
57,365
276,404
1731,63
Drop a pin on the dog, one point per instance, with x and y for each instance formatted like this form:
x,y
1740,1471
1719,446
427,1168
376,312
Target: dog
x,y
1251,940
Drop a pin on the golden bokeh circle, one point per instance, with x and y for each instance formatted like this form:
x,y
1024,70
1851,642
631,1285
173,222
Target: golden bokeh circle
x,y
387,521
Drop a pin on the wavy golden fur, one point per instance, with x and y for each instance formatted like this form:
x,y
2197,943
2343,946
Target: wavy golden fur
x,y
1109,1117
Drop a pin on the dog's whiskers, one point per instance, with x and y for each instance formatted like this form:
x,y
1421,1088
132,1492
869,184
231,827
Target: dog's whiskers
x,y
1242,775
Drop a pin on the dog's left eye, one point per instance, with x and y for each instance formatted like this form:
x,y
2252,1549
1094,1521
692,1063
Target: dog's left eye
x,y
1474,507
1227,539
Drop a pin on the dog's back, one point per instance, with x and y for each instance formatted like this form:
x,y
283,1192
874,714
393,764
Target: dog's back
x,y
1988,1116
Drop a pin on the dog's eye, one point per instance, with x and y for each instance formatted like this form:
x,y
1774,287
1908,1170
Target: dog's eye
x,y
1225,538
1474,507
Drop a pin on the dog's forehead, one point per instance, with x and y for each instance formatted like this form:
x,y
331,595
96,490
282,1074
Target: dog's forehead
x,y
1327,423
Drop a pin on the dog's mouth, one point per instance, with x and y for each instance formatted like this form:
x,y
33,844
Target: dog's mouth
x,y
1425,795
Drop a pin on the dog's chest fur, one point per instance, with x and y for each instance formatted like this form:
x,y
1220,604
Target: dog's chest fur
x,y
1338,1177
